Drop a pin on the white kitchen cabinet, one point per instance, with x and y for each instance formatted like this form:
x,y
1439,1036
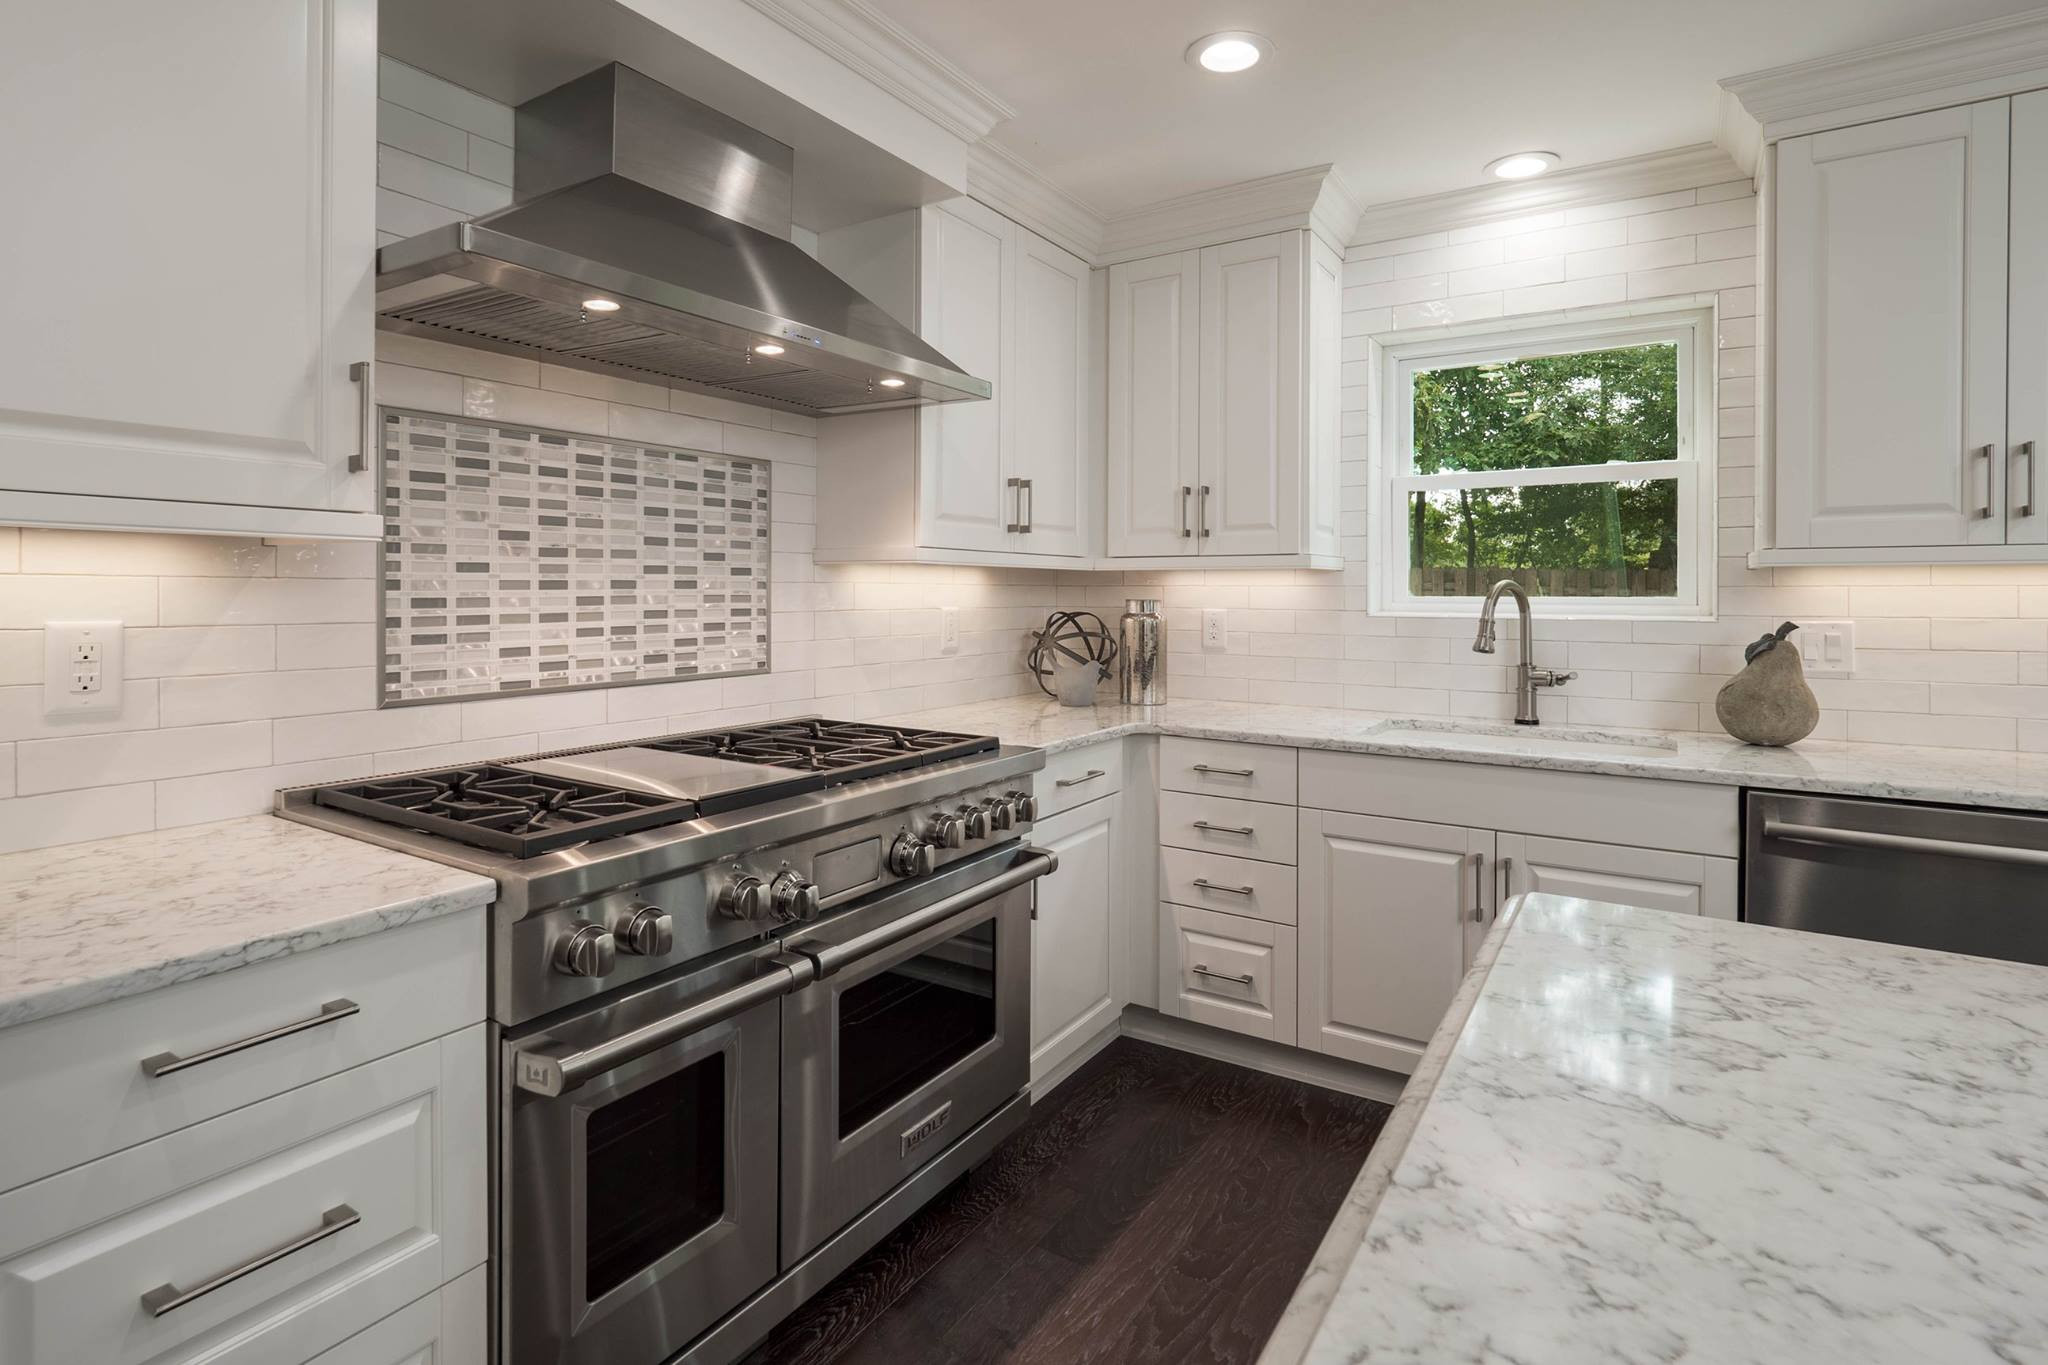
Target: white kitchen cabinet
x,y
1007,480
1077,940
1228,971
1685,883
1389,913
447,1327
1222,399
2027,386
190,256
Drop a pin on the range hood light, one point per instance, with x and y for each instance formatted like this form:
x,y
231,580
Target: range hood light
x,y
767,348
891,383
600,306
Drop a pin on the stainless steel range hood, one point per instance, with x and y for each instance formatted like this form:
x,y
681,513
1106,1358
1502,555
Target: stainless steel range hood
x,y
633,194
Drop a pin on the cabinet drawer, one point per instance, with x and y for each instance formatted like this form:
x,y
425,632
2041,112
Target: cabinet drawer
x,y
1218,824
1078,775
1233,886
1227,971
1214,767
262,1235
75,1088
448,1327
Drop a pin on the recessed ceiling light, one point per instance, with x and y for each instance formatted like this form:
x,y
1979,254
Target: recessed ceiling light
x,y
1521,165
1227,52
767,348
890,383
600,306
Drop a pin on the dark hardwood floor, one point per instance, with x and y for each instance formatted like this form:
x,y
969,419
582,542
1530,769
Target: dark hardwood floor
x,y
1158,1206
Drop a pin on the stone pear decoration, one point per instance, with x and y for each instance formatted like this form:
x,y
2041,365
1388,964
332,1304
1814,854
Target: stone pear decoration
x,y
1768,702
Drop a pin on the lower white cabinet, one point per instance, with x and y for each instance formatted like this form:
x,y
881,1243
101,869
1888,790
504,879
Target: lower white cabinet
x,y
1686,883
1077,941
1388,911
448,1327
1227,971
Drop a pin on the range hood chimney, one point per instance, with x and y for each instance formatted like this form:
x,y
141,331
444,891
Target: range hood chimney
x,y
632,194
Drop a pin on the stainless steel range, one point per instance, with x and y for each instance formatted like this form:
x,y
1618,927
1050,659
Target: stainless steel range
x,y
757,995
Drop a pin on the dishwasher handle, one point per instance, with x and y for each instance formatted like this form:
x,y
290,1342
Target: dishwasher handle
x,y
1903,843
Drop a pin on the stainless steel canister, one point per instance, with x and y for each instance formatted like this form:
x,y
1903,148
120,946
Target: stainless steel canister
x,y
1141,653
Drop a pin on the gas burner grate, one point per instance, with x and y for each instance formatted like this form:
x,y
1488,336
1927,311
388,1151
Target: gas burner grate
x,y
503,809
841,751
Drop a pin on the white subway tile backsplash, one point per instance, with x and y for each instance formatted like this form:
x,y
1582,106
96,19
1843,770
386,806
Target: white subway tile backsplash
x,y
180,651
301,692
47,765
67,817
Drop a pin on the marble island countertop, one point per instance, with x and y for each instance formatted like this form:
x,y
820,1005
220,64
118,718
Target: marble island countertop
x,y
1643,1136
85,923
1964,777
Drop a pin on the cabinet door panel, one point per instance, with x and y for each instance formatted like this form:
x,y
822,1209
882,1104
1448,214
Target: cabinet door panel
x,y
1154,404
190,252
1228,972
2027,389
1684,883
1252,396
964,298
1047,408
1383,914
1076,941
1891,297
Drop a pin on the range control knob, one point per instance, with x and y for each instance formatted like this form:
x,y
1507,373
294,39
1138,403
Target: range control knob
x,y
976,820
911,856
744,897
1023,806
645,932
998,812
947,831
795,897
586,950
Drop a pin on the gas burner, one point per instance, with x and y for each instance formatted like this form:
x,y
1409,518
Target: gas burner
x,y
843,748
503,809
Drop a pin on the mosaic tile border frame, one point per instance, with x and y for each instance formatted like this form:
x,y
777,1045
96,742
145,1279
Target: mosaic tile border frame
x,y
486,636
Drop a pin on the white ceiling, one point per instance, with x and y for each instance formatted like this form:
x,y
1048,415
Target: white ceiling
x,y
1406,97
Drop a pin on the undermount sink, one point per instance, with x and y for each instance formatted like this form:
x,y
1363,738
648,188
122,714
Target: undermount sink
x,y
1526,738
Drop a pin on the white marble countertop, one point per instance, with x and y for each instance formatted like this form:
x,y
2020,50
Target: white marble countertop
x,y
85,923
1965,777
1643,1136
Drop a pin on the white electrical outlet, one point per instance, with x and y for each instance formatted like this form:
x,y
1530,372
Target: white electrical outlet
x,y
82,669
949,630
1827,649
1215,630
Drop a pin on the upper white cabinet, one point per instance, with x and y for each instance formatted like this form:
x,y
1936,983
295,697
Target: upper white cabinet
x,y
1222,401
1006,480
189,265
1910,289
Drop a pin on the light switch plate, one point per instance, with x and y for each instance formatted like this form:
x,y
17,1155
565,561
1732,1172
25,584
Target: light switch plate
x,y
82,669
1215,630
1827,649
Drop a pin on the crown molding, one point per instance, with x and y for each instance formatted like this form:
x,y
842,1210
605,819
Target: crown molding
x,y
868,42
1273,203
1334,216
1683,168
1979,61
1018,190
1737,133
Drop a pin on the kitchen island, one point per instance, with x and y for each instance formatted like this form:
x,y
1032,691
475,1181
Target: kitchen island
x,y
1643,1136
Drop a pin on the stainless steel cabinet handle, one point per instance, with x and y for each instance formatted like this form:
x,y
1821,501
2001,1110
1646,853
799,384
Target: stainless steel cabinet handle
x,y
166,1297
1016,526
1088,776
1478,861
1904,843
1202,513
1208,885
2027,454
1244,980
1990,454
164,1063
1226,829
1226,772
364,377
1030,506
1507,877
1185,493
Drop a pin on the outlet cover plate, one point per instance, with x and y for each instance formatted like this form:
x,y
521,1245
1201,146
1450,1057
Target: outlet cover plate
x,y
1215,630
1827,649
949,630
82,669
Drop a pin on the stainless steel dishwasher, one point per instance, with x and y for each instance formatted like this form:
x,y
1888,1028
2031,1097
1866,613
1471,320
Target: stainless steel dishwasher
x,y
1963,881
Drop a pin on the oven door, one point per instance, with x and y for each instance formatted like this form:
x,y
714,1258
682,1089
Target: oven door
x,y
638,1208
893,1054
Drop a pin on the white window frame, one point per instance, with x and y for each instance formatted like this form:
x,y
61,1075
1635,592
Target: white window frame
x,y
1690,324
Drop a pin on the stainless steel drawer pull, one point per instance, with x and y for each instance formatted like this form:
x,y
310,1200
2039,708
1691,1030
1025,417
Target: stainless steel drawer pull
x,y
1185,493
164,1063
1904,843
1246,830
1208,885
1016,526
1990,454
1088,776
1244,980
1478,887
363,376
1030,502
1202,513
1226,772
2027,454
166,1297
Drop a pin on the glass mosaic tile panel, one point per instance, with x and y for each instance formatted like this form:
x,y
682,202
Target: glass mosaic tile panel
x,y
524,560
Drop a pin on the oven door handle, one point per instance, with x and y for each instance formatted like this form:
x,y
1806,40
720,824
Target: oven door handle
x,y
1903,843
1031,864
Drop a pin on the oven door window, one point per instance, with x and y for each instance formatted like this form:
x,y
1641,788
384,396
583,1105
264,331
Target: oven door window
x,y
654,1172
906,1024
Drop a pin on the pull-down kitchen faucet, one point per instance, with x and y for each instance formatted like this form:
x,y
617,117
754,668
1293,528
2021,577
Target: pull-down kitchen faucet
x,y
1527,677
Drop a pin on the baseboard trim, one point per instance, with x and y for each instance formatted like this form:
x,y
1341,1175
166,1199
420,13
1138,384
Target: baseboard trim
x,y
1310,1068
1079,1058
